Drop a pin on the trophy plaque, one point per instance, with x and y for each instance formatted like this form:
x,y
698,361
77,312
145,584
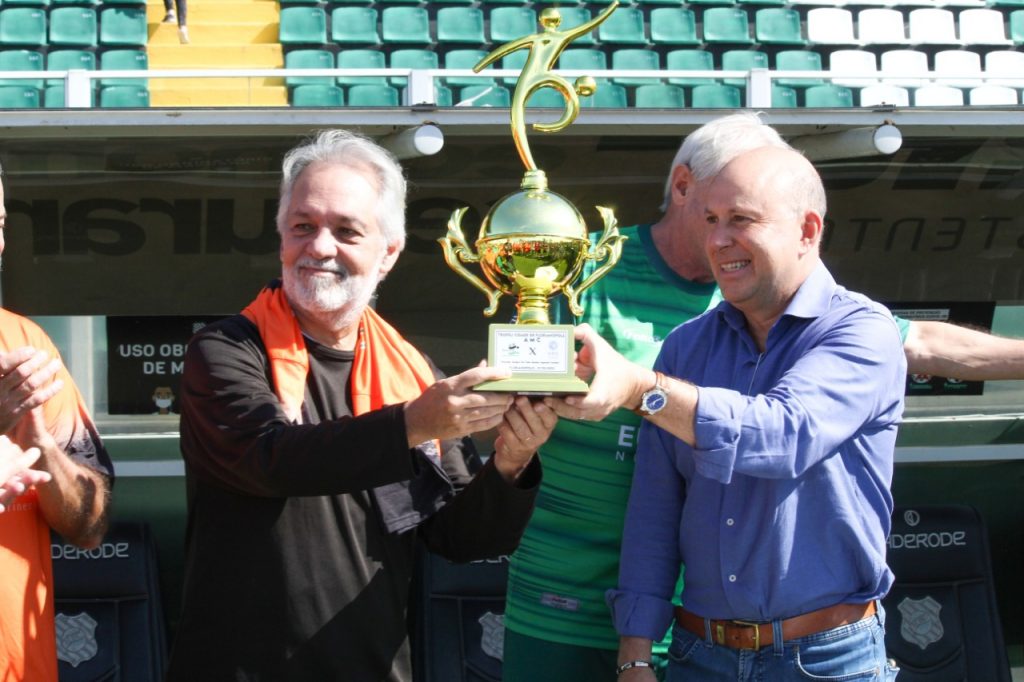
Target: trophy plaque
x,y
534,243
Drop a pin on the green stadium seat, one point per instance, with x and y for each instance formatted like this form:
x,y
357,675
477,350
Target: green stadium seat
x,y
298,2
461,25
1006,3
778,26
584,58
465,59
355,26
442,96
53,96
577,16
715,97
317,95
22,26
372,96
361,59
123,26
607,96
27,3
65,60
484,96
798,60
546,97
308,58
19,97
136,3
124,60
406,25
502,2
764,2
1016,26
73,27
302,26
711,2
673,26
742,60
509,23
124,97
634,59
624,27
828,96
80,3
412,58
726,25
783,97
659,96
690,60
513,60
21,60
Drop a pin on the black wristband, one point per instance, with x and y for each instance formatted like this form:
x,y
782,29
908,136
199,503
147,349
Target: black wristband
x,y
629,665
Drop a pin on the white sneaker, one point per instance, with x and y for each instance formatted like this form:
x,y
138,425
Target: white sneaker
x,y
183,35
171,18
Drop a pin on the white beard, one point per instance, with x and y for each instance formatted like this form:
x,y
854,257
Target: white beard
x,y
337,301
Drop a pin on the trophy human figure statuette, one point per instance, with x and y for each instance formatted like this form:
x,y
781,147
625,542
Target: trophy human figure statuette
x,y
533,243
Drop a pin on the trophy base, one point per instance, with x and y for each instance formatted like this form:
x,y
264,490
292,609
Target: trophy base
x,y
540,357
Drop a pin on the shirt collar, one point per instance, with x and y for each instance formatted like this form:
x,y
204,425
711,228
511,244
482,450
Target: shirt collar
x,y
811,300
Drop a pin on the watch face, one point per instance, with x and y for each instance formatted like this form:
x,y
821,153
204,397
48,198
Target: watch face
x,y
654,401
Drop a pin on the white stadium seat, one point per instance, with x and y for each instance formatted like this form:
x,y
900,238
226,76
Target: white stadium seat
x,y
963,64
853,68
874,95
878,26
993,95
938,96
900,67
930,26
982,27
830,26
1005,67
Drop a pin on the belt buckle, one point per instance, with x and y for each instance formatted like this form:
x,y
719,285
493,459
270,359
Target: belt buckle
x,y
757,631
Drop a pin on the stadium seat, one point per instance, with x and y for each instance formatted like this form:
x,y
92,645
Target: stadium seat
x,y
884,95
690,60
372,96
73,27
881,26
778,26
583,58
798,60
828,96
80,3
715,97
123,26
726,25
607,96
406,25
742,60
355,26
53,96
853,68
938,96
1006,3
28,3
362,59
514,61
114,594
988,95
900,66
124,96
546,98
484,96
711,2
509,23
442,96
317,95
124,60
1005,67
963,64
21,60
942,617
65,60
302,26
310,58
659,96
982,27
783,97
412,58
461,25
635,59
136,3
1017,26
830,26
465,59
22,26
624,27
673,26
576,16
932,26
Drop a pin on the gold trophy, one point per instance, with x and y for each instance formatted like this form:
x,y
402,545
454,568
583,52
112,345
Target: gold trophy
x,y
533,243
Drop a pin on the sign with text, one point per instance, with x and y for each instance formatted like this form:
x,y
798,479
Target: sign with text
x,y
145,359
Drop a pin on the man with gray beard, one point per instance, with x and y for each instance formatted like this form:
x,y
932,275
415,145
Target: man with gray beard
x,y
320,446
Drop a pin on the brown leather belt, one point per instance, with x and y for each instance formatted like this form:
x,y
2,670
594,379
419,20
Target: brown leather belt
x,y
739,634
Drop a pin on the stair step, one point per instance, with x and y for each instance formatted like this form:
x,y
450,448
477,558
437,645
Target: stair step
x,y
218,84
207,57
216,34
203,97
222,11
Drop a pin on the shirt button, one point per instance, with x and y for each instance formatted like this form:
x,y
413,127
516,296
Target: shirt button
x,y
729,522
732,578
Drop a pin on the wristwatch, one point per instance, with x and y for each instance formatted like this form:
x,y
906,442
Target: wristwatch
x,y
654,399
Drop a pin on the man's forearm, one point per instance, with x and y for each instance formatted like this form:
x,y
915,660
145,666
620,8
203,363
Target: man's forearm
x,y
947,350
74,502
632,649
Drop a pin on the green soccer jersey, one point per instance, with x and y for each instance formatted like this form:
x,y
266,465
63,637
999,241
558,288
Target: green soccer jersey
x,y
569,555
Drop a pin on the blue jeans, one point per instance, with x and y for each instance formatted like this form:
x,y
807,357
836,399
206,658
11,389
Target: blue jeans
x,y
848,653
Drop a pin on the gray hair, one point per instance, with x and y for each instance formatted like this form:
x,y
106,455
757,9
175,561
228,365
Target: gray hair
x,y
356,152
709,148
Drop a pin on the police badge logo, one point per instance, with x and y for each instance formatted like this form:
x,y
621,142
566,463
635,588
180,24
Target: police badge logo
x,y
76,638
492,642
921,622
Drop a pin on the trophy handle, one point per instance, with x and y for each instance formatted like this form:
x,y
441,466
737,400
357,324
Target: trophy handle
x,y
608,249
456,252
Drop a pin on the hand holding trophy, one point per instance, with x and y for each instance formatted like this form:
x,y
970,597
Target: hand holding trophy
x,y
533,243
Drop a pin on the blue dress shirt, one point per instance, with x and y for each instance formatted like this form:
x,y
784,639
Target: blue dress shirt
x,y
783,506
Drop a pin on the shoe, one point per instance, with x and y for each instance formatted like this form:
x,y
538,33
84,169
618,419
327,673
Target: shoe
x,y
170,18
183,35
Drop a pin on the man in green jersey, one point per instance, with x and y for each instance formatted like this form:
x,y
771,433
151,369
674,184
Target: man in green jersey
x,y
558,627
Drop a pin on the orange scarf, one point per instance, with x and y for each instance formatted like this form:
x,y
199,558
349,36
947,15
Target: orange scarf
x,y
386,369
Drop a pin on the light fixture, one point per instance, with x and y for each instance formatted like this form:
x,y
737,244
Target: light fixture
x,y
411,143
845,144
